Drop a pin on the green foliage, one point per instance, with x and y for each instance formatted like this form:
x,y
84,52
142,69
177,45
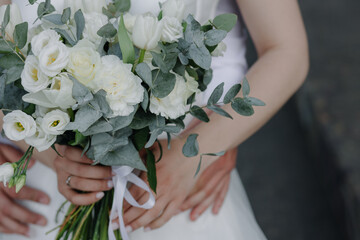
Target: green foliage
x,y
191,147
13,74
216,94
166,59
151,174
80,24
245,87
232,93
199,113
107,31
144,72
66,36
45,8
79,139
6,20
242,107
219,111
54,18
163,83
32,2
254,101
214,37
207,154
11,96
6,46
126,45
225,21
140,138
10,60
65,17
20,34
117,8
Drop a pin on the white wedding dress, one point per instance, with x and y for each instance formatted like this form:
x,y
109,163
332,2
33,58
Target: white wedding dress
x,y
235,220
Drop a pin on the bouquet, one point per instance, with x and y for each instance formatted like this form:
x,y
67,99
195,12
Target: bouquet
x,y
109,83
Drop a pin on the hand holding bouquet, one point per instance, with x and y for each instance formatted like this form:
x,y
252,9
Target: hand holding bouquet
x,y
109,83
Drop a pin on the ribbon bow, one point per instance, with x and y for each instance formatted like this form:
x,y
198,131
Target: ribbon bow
x,y
123,176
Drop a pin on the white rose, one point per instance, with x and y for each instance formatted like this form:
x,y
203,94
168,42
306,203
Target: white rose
x,y
174,8
84,62
54,122
7,171
174,105
123,88
129,21
147,31
172,30
15,19
53,58
87,6
219,50
40,140
18,125
43,39
32,79
93,22
58,95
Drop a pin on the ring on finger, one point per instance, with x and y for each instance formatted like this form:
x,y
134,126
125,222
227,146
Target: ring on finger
x,y
68,180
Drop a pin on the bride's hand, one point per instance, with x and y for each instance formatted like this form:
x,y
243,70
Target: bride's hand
x,y
75,173
176,179
211,187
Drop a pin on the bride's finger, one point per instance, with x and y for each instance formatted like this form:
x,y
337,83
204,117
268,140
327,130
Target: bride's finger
x,y
83,170
221,197
14,226
90,185
168,213
133,213
81,199
74,154
27,193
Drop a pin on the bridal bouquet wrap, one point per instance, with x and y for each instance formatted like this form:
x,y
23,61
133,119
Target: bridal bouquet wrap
x,y
96,77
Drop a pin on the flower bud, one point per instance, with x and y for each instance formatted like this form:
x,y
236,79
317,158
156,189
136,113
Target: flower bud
x,y
147,31
7,172
15,19
20,183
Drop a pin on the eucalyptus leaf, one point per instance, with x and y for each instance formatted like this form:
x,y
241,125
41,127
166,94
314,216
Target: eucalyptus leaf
x,y
219,111
101,126
232,93
66,36
45,8
214,37
191,147
85,117
140,138
153,137
80,93
32,2
151,174
201,56
245,87
225,21
207,154
126,45
10,60
122,5
14,73
165,61
146,101
122,121
255,102
65,17
6,46
11,95
163,83
142,120
100,99
107,31
20,34
199,113
242,107
79,139
80,24
6,19
54,18
216,94
144,72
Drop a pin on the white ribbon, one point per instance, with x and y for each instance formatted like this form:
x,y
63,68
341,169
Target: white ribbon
x,y
123,176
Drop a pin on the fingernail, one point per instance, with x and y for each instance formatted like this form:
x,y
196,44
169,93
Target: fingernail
x,y
41,222
110,184
147,229
195,216
44,200
128,229
100,195
178,212
115,225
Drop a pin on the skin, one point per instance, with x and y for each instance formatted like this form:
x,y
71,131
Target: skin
x,y
279,36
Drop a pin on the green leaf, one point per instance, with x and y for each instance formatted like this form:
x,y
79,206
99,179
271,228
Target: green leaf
x,y
14,73
122,5
45,8
207,154
107,31
9,60
199,113
142,120
216,95
6,20
20,34
151,174
166,61
101,126
6,46
85,117
219,111
79,139
163,83
191,147
140,138
65,17
255,102
80,24
54,18
214,37
126,46
144,72
246,87
80,93
225,21
146,101
66,36
242,107
232,93
32,2
201,56
122,121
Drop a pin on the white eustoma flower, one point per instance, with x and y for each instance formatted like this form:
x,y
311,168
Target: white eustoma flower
x,y
15,19
18,125
20,182
84,62
174,8
43,39
6,172
54,122
123,88
172,29
59,95
129,21
40,140
93,22
87,6
219,50
32,78
147,31
53,58
41,111
174,105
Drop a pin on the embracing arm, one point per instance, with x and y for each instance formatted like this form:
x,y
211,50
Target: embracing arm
x,y
279,36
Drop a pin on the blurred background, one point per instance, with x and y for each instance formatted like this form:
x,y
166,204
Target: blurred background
x,y
304,184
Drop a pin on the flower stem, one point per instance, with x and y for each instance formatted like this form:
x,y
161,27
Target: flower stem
x,y
142,55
